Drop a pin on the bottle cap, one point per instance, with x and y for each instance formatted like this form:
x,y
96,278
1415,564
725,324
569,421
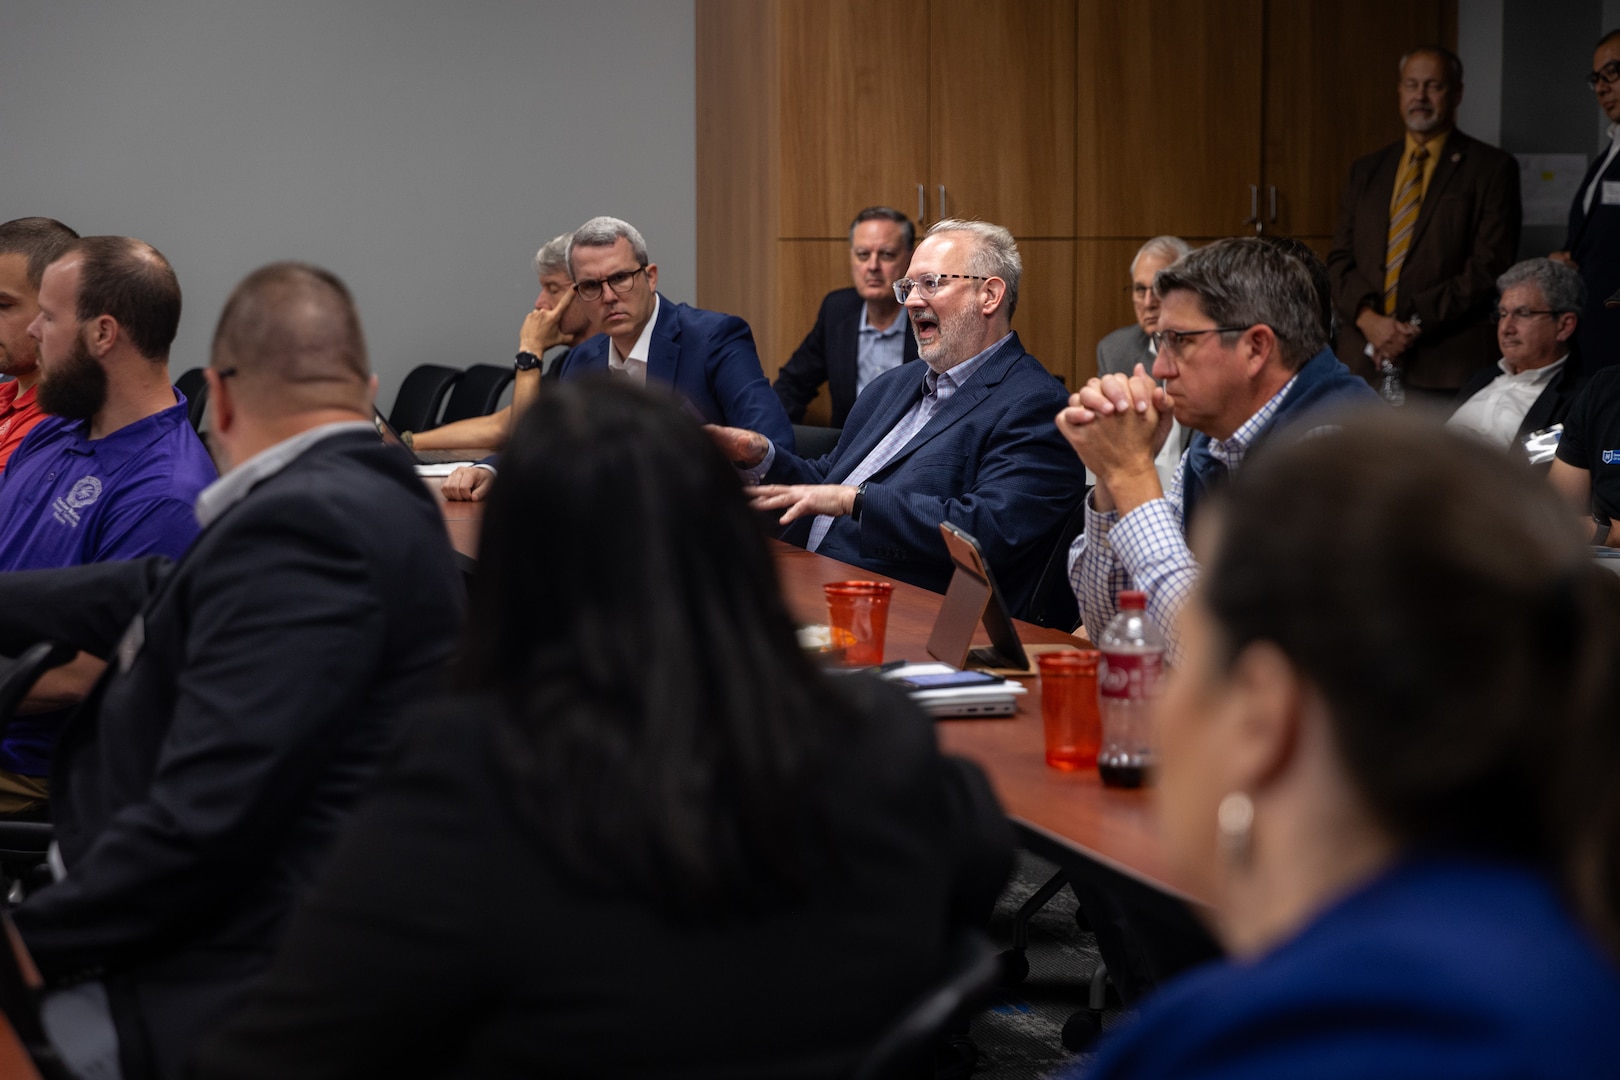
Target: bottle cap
x,y
1132,600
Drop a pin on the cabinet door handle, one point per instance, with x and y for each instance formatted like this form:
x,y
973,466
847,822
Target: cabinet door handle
x,y
1254,205
922,204
942,214
1273,217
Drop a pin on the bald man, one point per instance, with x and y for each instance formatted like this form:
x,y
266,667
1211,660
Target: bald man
x,y
250,692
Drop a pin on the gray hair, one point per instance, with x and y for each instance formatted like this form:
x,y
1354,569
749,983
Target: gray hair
x,y
605,232
552,258
1561,287
1454,68
1244,281
1168,248
995,253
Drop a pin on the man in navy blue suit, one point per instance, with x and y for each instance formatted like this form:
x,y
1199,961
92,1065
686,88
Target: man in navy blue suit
x,y
963,434
860,331
1593,244
706,358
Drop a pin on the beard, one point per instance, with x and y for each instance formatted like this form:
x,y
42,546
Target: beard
x,y
76,389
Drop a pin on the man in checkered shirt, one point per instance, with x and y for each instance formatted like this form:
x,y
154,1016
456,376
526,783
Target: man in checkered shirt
x,y
1242,352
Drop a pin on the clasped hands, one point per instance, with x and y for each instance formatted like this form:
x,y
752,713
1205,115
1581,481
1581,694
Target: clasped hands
x,y
1389,337
1118,424
746,449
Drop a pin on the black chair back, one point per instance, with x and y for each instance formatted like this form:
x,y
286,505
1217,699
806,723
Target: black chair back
x,y
1053,604
477,393
26,838
191,382
906,1050
814,442
421,396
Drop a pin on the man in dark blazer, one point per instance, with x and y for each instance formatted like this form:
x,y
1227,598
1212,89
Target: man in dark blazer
x,y
1593,243
1420,299
1535,382
962,435
251,692
705,357
860,332
1121,350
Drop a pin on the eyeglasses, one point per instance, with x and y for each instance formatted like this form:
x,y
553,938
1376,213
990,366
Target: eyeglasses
x,y
1608,73
619,283
1176,340
1521,314
928,284
1139,292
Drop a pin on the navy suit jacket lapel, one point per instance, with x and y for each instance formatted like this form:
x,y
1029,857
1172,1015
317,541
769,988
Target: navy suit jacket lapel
x,y
664,350
901,396
1578,213
959,404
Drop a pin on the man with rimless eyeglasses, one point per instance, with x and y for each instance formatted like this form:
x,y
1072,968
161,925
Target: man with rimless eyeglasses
x,y
1534,384
1593,243
962,434
1242,353
705,357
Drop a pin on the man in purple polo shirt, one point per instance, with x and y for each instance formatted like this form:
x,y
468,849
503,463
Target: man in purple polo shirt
x,y
112,473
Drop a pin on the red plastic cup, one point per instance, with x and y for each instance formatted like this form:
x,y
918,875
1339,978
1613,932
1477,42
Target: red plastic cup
x,y
1069,707
859,614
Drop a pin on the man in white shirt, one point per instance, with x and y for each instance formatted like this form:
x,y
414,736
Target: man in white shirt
x,y
1533,383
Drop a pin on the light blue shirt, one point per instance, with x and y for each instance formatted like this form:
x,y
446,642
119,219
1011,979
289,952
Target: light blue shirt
x,y
876,351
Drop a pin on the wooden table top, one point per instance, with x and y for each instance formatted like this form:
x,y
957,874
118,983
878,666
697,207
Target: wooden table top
x,y
1112,827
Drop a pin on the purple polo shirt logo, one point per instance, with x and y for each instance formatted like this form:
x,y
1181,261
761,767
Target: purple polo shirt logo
x,y
80,495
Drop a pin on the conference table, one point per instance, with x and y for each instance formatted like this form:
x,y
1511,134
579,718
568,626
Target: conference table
x,y
1104,839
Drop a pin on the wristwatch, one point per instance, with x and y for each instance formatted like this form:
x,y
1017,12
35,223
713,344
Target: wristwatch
x,y
860,498
526,361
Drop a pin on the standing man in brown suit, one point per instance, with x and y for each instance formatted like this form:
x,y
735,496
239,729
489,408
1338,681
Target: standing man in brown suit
x,y
1425,227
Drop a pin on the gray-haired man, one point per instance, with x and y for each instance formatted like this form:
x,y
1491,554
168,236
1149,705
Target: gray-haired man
x,y
1242,353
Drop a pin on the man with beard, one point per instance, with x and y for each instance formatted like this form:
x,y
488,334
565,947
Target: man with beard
x,y
27,246
964,436
112,473
1426,225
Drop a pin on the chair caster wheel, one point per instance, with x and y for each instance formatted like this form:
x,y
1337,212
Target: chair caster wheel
x,y
1081,1030
1014,967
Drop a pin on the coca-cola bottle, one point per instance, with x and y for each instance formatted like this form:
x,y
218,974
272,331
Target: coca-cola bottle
x,y
1128,680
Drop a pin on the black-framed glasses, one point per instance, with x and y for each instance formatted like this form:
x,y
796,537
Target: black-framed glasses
x,y
928,284
1176,340
1522,314
1608,73
619,283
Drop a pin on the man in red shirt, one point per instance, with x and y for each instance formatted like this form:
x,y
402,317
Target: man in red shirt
x,y
27,246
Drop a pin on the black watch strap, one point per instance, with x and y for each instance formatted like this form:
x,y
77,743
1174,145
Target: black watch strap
x,y
526,361
860,500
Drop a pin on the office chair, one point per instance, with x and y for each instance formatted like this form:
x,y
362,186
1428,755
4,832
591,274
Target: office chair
x,y
1084,1025
421,396
1052,604
25,839
814,442
907,1050
190,382
20,992
477,393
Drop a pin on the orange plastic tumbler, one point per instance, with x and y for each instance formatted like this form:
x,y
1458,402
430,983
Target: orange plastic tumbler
x,y
1069,707
859,614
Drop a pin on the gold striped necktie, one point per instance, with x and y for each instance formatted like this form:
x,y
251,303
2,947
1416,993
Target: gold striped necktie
x,y
1401,221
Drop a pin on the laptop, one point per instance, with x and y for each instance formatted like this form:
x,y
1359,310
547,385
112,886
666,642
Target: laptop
x,y
434,458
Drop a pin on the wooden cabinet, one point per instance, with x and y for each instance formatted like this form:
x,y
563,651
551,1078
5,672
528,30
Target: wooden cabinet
x,y
1084,126
1331,72
1169,121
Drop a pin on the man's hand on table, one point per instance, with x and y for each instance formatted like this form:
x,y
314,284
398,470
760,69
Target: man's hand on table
x,y
803,500
467,484
1117,424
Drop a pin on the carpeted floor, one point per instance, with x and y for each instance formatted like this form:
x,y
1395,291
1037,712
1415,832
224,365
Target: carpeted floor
x,y
1019,1034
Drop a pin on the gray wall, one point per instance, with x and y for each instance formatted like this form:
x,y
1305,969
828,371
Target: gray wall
x,y
422,151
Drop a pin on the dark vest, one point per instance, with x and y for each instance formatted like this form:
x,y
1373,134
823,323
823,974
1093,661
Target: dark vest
x,y
1323,383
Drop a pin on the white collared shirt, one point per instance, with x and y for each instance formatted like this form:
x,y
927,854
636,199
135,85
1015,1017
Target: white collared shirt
x,y
1597,177
1495,413
634,366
